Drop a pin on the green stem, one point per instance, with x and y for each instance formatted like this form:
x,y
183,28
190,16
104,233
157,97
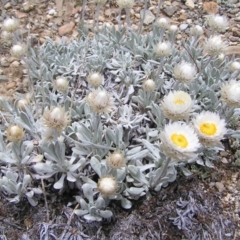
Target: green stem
x,y
143,18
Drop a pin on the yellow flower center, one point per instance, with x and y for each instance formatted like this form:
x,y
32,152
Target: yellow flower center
x,y
179,140
208,128
178,101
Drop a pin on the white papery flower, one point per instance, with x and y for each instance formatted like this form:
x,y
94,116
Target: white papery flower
x,y
18,50
95,79
230,93
209,127
6,36
214,45
100,101
234,66
179,141
184,72
177,105
107,185
149,85
196,30
163,49
61,84
218,23
10,24
162,22
125,3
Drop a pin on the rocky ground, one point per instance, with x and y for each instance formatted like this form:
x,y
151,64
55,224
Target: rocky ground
x,y
212,195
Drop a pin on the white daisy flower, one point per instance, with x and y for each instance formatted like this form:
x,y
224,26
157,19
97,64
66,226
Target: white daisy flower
x,y
230,93
95,79
100,101
18,50
149,85
209,127
10,24
214,45
116,160
184,72
218,23
163,49
61,84
179,141
177,105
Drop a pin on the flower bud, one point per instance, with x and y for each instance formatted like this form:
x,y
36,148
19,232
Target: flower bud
x,y
10,24
163,49
107,185
95,79
125,3
197,30
149,85
162,22
116,160
218,23
184,72
18,50
234,66
61,84
173,28
22,103
15,133
6,36
214,45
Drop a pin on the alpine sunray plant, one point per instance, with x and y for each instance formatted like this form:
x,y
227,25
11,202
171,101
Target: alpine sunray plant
x,y
105,117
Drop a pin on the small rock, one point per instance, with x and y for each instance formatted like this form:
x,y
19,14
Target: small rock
x,y
7,6
234,10
52,12
190,4
11,85
182,17
236,32
65,29
27,7
224,160
211,7
20,14
224,154
108,12
183,26
4,62
137,15
170,10
219,186
101,19
15,64
179,37
149,17
237,19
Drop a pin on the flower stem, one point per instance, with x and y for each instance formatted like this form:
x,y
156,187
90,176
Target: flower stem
x,y
143,18
159,7
128,17
97,16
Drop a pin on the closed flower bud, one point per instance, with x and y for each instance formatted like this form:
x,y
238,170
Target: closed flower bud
x,y
61,84
163,49
214,45
184,72
230,93
107,185
162,22
6,36
197,30
56,118
15,133
18,50
173,28
100,101
95,79
22,103
10,24
116,160
234,66
221,57
125,3
149,85
218,23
